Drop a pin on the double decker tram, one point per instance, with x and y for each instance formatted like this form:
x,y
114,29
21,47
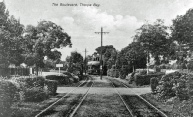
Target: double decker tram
x,y
94,65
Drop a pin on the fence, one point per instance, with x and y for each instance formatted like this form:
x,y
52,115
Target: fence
x,y
14,71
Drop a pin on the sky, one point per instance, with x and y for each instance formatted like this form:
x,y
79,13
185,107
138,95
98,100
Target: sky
x,y
121,18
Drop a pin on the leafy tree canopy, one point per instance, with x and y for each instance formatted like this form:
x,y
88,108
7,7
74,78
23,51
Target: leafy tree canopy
x,y
40,41
110,54
133,55
182,28
75,62
10,38
155,39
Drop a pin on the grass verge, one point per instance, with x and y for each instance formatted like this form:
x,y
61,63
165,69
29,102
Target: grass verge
x,y
102,106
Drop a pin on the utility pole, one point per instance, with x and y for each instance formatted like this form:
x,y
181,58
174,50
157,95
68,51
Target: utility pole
x,y
101,66
85,60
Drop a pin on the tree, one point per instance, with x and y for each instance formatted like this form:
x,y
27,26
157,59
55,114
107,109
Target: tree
x,y
11,39
182,28
155,39
182,34
109,53
136,55
75,62
40,41
133,56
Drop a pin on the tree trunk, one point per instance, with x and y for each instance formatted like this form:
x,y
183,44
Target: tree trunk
x,y
36,67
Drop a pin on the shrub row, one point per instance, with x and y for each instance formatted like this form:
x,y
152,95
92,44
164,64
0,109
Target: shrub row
x,y
65,78
30,82
175,84
35,88
9,93
51,86
154,83
26,89
60,79
34,94
145,79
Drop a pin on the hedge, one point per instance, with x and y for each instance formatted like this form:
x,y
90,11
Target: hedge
x,y
145,79
51,86
153,83
30,82
176,84
34,94
60,79
9,93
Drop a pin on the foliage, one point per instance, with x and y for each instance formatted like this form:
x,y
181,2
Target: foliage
x,y
30,82
157,68
174,84
190,65
132,56
182,34
65,78
34,94
123,72
51,86
11,40
110,55
153,83
75,63
9,93
182,28
154,39
42,40
59,79
134,53
145,79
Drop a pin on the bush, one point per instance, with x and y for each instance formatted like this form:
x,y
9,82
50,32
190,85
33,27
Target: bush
x,y
175,84
116,74
67,74
157,69
66,78
143,72
30,82
9,93
145,79
60,79
153,84
34,94
80,77
190,65
51,86
110,72
77,78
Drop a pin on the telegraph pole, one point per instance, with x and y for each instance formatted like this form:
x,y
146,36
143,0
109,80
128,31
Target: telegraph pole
x,y
101,66
85,60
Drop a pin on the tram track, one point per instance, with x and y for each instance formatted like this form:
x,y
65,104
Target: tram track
x,y
67,104
124,102
137,105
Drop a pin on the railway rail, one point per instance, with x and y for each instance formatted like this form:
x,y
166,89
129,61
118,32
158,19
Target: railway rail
x,y
127,107
137,105
74,106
